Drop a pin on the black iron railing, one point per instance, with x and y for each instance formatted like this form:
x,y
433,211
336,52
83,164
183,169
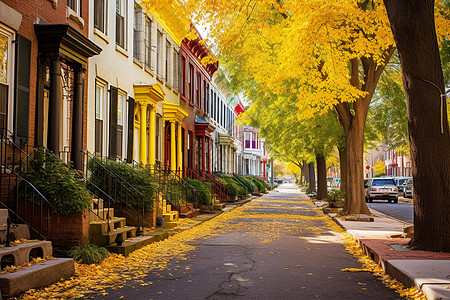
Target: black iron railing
x,y
119,194
24,202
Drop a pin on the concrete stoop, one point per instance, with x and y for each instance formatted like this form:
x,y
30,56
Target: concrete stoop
x,y
35,276
131,245
219,205
188,211
170,216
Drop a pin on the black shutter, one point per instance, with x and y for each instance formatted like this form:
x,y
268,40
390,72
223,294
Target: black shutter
x,y
113,122
130,142
22,90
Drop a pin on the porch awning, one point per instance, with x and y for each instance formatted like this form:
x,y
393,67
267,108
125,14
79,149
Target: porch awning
x,y
63,39
203,127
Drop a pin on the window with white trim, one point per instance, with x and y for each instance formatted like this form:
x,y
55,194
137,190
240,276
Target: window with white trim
x,y
6,77
121,9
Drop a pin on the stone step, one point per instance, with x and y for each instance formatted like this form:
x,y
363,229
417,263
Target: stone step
x,y
105,213
97,203
36,276
190,213
219,206
108,238
131,245
170,216
3,216
171,225
184,208
101,227
16,232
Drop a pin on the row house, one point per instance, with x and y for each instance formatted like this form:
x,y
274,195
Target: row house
x,y
397,163
114,80
229,136
45,48
136,114
44,52
255,154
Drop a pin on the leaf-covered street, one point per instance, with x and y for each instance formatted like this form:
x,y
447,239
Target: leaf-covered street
x,y
275,247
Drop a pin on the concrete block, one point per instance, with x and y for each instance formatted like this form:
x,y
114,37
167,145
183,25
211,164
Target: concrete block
x,y
101,227
99,214
17,232
36,276
131,245
21,252
3,216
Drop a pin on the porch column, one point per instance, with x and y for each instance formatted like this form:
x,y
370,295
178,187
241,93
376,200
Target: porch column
x,y
55,102
77,119
143,135
180,151
204,154
152,136
173,146
209,154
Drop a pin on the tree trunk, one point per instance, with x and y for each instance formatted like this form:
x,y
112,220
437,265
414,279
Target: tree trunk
x,y
306,174
343,168
322,191
412,24
354,193
302,171
312,178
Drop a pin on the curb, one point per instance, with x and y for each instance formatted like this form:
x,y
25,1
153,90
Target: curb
x,y
432,291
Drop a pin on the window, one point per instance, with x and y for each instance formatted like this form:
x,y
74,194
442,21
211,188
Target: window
x,y
148,42
191,83
159,53
99,15
121,100
168,55
100,95
183,75
247,139
75,5
136,32
254,139
205,96
5,77
197,91
120,22
175,70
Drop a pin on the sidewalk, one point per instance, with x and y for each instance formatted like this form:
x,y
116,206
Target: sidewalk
x,y
428,271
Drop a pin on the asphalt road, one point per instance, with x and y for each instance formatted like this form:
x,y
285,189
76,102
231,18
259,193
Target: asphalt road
x,y
274,247
401,211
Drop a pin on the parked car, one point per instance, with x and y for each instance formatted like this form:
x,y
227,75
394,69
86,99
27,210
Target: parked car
x,y
408,191
400,183
380,188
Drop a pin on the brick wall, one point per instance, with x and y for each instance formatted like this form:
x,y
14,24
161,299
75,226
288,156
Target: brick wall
x,y
31,10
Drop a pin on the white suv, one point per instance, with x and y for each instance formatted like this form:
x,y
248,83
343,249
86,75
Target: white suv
x,y
381,188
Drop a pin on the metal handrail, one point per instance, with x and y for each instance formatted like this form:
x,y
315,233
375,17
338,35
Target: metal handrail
x,y
125,189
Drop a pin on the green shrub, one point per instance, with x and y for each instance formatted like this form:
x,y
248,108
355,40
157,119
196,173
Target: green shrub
x,y
259,184
248,183
203,195
87,253
241,189
141,179
63,187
